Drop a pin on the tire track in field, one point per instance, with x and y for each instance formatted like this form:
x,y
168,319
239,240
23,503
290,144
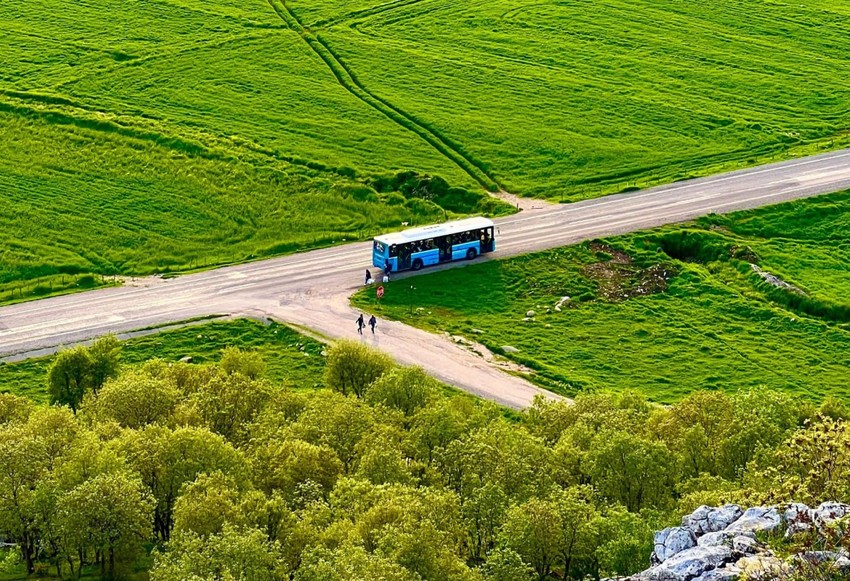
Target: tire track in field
x,y
349,81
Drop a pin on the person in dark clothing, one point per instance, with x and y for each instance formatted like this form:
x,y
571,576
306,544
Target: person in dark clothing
x,y
372,322
360,324
387,267
368,276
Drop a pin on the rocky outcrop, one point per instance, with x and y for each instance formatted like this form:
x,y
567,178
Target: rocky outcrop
x,y
721,543
672,541
710,520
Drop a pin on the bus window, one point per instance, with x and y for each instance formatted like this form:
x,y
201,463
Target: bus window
x,y
380,247
393,250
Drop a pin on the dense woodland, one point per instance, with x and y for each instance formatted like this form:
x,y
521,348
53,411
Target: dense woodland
x,y
212,472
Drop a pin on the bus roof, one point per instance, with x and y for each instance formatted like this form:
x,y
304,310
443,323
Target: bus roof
x,y
426,232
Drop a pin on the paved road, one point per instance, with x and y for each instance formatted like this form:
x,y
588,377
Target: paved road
x,y
311,288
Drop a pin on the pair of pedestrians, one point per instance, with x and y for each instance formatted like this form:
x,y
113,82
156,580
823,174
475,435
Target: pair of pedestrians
x,y
361,323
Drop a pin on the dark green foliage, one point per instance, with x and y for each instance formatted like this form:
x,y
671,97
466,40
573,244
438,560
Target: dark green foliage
x,y
81,369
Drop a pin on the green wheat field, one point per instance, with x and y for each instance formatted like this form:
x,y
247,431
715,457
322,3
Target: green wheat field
x,y
155,136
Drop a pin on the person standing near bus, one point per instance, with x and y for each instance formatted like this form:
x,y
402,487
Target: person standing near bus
x,y
360,324
372,322
368,277
387,268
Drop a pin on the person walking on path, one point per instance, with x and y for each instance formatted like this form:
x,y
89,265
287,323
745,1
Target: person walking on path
x,y
360,324
368,277
372,322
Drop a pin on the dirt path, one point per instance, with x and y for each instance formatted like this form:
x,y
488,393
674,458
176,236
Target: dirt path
x,y
331,315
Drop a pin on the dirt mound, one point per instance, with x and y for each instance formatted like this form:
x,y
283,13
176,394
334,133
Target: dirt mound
x,y
619,279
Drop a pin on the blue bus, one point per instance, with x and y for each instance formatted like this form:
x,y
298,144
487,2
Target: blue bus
x,y
418,247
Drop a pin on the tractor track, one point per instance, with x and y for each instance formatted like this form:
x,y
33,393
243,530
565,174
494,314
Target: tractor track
x,y
350,82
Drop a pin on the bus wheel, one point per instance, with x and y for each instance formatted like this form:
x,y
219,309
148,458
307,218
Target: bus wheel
x,y
417,264
471,254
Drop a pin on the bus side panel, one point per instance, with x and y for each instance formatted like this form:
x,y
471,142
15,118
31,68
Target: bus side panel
x,y
459,250
428,257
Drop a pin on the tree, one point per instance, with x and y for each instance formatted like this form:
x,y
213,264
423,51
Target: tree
x,y
381,460
135,400
70,376
109,515
14,408
532,529
812,466
234,553
349,562
249,364
483,514
634,472
406,389
336,421
228,403
575,515
80,369
438,424
353,367
290,464
699,424
207,505
105,356
29,453
168,459
506,565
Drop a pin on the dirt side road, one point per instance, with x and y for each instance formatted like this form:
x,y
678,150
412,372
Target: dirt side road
x,y
310,289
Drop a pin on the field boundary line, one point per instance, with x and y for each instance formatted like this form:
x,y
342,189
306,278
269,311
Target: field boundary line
x,y
349,81
34,105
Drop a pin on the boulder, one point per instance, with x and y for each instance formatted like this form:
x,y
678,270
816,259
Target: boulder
x,y
186,359
530,314
509,349
706,519
690,563
756,520
716,539
798,519
829,512
743,543
671,541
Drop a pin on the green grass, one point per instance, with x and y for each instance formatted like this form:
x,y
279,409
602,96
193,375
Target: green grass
x,y
570,100
717,326
170,135
291,358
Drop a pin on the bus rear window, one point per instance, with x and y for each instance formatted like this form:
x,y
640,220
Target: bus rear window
x,y
380,248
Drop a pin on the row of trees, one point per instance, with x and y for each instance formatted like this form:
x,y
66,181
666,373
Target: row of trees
x,y
384,475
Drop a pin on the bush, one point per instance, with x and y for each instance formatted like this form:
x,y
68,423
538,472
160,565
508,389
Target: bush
x,y
352,367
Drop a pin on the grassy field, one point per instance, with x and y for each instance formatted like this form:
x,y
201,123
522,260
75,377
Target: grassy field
x,y
168,135
570,100
666,311
291,358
